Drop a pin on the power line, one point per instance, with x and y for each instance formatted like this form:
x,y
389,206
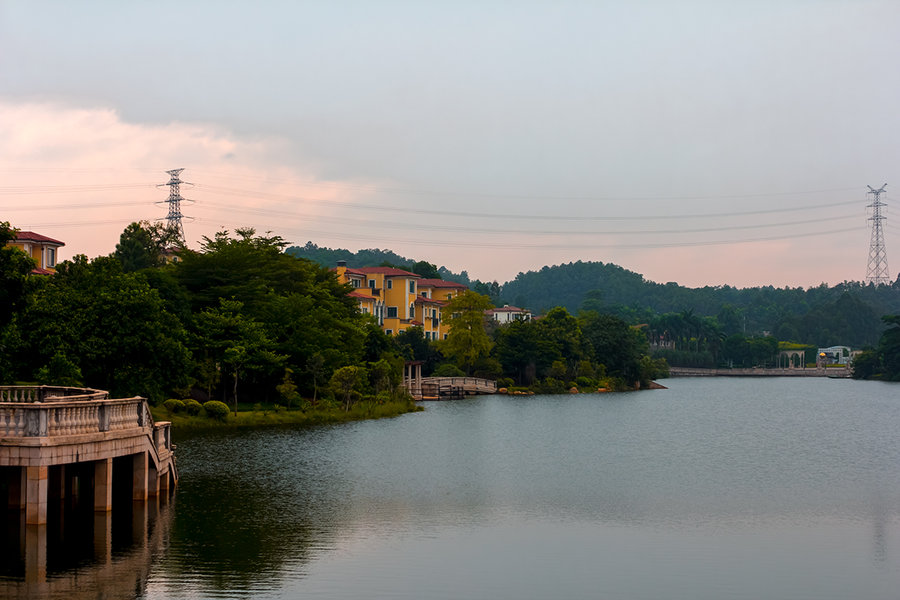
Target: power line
x,y
496,231
507,216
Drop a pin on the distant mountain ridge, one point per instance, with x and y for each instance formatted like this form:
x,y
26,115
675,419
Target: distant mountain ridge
x,y
847,313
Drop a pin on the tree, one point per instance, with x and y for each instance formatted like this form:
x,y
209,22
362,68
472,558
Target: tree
x,y
112,326
142,245
15,266
235,341
344,382
426,270
615,345
467,340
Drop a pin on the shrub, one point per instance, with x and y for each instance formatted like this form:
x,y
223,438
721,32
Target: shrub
x,y
505,382
216,410
192,407
173,405
448,370
585,383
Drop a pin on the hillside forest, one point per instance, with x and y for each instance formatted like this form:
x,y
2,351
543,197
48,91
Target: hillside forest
x,y
703,327
241,320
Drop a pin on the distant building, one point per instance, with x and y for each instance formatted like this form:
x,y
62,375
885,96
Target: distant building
x,y
508,314
834,355
42,249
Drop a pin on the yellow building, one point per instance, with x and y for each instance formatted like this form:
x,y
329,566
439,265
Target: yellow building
x,y
400,299
42,249
435,294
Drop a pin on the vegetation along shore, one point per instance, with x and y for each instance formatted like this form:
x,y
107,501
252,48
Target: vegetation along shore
x,y
277,337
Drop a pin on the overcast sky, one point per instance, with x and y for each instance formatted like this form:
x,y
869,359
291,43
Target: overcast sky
x,y
706,143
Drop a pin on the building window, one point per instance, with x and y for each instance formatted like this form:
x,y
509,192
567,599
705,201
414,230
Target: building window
x,y
51,257
372,284
365,310
390,284
449,296
355,283
391,312
412,286
424,294
389,331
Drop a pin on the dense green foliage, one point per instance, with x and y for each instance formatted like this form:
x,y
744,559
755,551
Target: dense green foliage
x,y
230,322
845,314
882,362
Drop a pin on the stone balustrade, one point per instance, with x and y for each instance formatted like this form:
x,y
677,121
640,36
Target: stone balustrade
x,y
73,415
48,393
48,434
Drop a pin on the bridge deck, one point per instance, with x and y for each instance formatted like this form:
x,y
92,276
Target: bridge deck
x,y
57,431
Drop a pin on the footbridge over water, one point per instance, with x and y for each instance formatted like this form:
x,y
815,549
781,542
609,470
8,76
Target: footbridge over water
x,y
437,388
62,444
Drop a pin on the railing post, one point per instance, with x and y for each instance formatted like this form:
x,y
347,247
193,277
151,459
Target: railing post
x,y
36,423
103,417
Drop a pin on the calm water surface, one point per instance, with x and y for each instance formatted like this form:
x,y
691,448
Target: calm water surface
x,y
715,488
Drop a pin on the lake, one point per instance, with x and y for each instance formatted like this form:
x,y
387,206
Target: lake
x,y
715,488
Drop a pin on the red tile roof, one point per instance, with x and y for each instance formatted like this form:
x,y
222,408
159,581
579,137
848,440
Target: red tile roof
x,y
30,236
359,294
440,283
424,300
386,271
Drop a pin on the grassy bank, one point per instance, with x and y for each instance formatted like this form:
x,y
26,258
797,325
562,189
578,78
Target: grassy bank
x,y
261,416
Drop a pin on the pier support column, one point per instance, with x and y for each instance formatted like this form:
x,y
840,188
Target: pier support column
x,y
16,498
103,471
35,555
164,484
152,482
139,469
36,487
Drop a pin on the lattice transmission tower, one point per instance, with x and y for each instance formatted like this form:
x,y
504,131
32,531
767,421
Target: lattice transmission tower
x,y
174,218
877,269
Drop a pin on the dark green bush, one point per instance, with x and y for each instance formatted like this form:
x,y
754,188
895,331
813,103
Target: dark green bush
x,y
192,407
216,410
448,370
585,383
173,405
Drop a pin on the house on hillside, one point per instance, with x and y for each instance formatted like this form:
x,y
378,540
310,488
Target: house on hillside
x,y
400,299
434,294
508,314
42,249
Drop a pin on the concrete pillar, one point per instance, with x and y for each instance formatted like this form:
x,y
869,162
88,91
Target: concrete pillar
x,y
35,555
164,484
139,470
16,498
36,487
152,482
103,471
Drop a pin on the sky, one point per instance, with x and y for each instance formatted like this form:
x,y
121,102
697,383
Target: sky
x,y
700,142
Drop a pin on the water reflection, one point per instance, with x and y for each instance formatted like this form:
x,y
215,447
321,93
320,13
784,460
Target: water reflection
x,y
82,554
